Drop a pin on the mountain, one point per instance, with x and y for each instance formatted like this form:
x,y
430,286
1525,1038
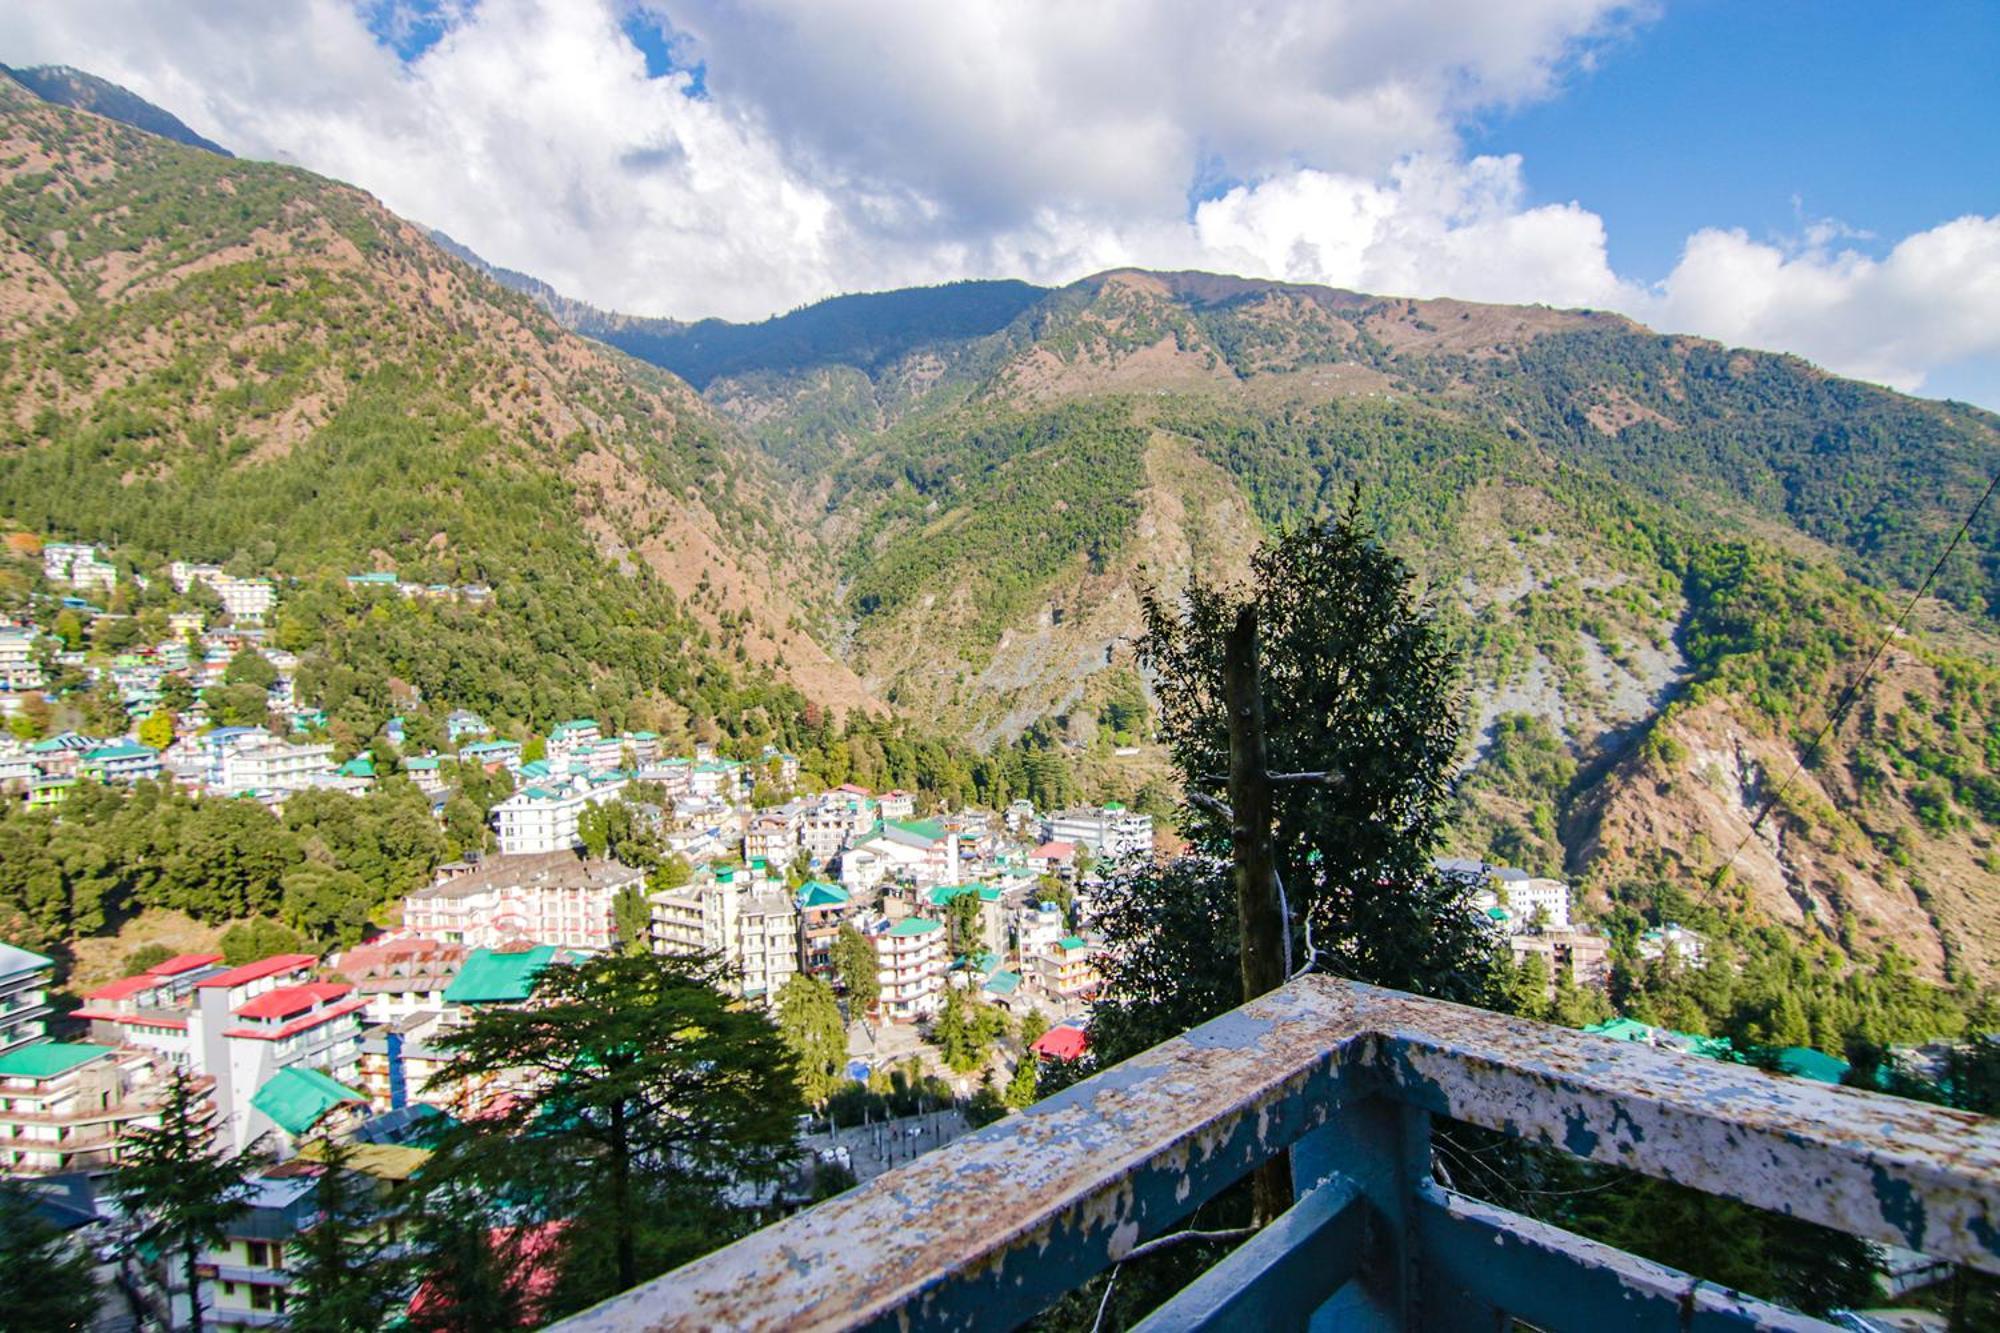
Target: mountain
x,y
1662,557
86,92
212,359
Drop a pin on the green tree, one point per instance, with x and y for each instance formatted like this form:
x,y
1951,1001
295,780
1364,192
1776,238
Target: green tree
x,y
673,872
961,917
145,956
176,693
1358,681
251,941
809,1022
345,1277
660,1094
855,964
473,1274
328,905
250,667
184,1189
50,1285
157,731
632,914
69,628
1034,1025
955,1035
1020,1091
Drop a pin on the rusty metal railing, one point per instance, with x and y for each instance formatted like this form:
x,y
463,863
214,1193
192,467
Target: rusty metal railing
x,y
993,1228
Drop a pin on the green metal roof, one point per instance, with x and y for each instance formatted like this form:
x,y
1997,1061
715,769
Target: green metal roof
x,y
945,893
498,978
297,1097
1004,983
47,1059
819,893
1073,942
1806,1062
923,828
361,766
104,752
913,925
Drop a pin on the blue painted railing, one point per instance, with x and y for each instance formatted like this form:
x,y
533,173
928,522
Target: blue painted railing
x,y
986,1232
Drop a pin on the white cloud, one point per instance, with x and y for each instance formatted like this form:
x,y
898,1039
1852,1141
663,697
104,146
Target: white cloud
x,y
860,144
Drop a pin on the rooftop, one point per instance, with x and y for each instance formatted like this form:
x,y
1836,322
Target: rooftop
x,y
48,1059
257,971
914,925
493,977
288,1001
13,960
298,1097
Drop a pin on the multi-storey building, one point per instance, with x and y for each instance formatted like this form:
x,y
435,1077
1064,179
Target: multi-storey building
x,y
78,564
274,766
400,976
121,763
767,943
1111,832
544,819
18,668
24,996
822,907
551,897
151,1010
70,1106
911,962
571,739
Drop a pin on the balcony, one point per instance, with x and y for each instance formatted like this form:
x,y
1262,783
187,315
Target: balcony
x,y
993,1228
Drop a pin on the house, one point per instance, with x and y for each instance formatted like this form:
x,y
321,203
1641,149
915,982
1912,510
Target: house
x,y
151,1010
461,724
24,997
1053,858
1689,947
492,755
1064,1043
1586,955
500,976
897,805
572,737
300,1100
1110,833
424,771
246,1278
1038,929
921,851
911,961
400,975
552,897
71,1106
773,836
1070,968
821,907
122,764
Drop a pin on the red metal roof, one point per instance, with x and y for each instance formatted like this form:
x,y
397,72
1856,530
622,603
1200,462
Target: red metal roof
x,y
129,1019
124,988
249,972
1054,851
288,1000
297,1025
183,962
1061,1044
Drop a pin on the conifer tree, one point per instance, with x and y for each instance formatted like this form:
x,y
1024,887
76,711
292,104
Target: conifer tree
x,y
660,1099
176,1180
809,1022
46,1283
854,962
343,1277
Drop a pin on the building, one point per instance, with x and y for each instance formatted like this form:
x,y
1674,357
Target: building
x,y
245,1024
1071,968
911,962
1038,929
544,819
24,997
273,766
1688,947
553,897
821,907
400,976
1587,956
921,851
78,565
1533,901
121,764
992,911
572,739
18,668
70,1106
767,950
245,599
492,755
1111,833
1053,858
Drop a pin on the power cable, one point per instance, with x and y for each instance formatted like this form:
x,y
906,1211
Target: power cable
x,y
1853,690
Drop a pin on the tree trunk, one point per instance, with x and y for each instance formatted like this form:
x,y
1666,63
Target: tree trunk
x,y
189,1254
1259,918
621,1199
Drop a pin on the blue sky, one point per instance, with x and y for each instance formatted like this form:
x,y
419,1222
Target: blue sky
x,y
1817,178
1885,117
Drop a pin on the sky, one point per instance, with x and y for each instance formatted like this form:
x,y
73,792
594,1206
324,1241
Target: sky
x,y
1809,176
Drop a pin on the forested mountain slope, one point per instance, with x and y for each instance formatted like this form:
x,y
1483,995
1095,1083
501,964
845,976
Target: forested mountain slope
x,y
217,360
1664,559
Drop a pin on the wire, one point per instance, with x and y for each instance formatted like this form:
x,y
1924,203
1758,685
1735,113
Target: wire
x,y
1853,690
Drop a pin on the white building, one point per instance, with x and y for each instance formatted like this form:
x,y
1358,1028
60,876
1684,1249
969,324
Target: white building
x,y
1688,946
18,668
245,599
24,996
79,565
544,819
1531,899
70,1106
767,937
1111,833
275,767
911,961
554,897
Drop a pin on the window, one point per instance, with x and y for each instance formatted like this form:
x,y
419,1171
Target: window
x,y
259,1253
260,1298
